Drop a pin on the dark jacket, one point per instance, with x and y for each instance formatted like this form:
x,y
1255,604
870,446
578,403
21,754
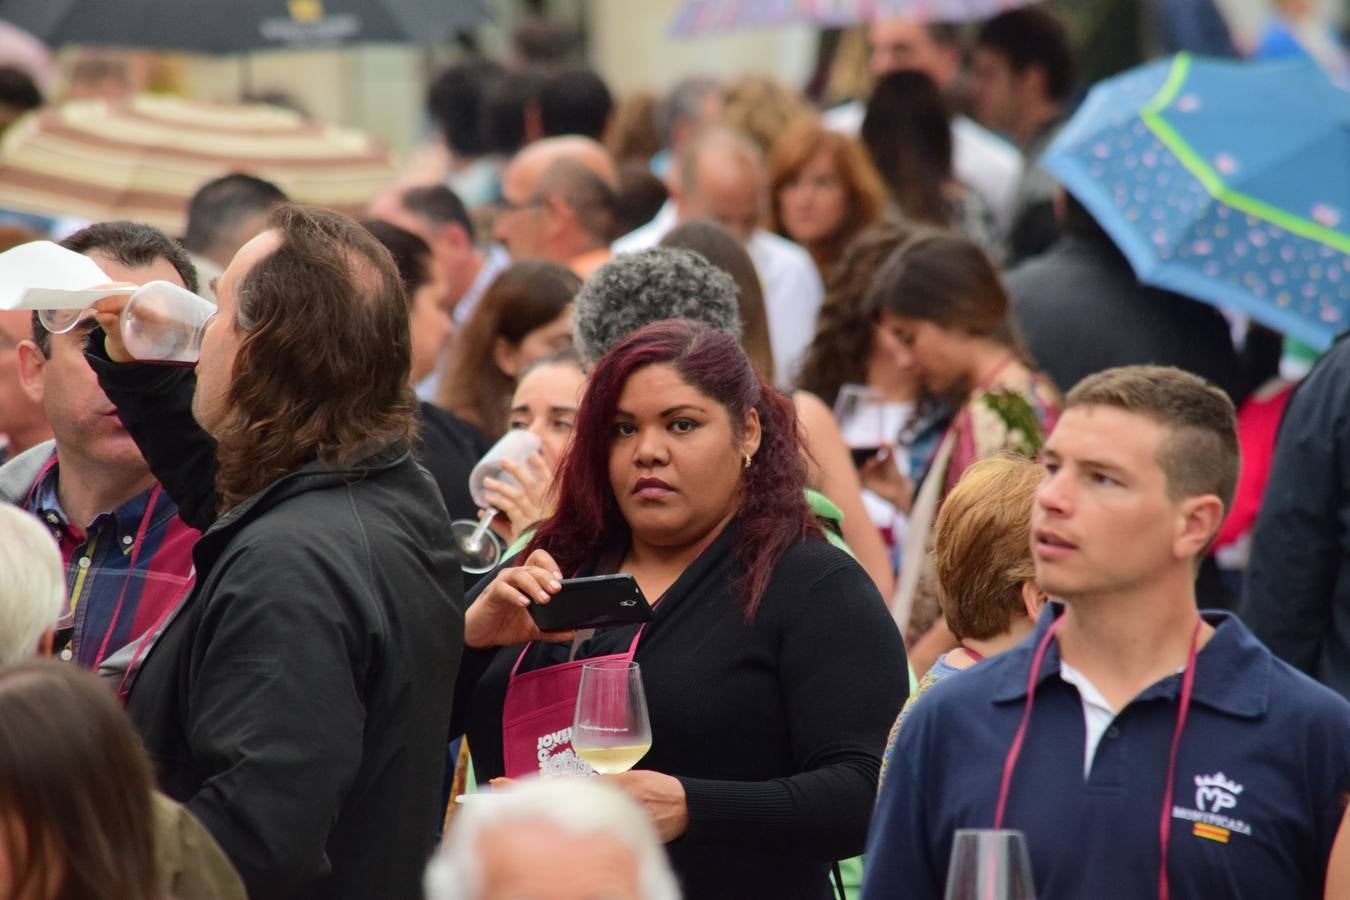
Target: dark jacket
x,y
1081,309
299,702
450,447
1297,594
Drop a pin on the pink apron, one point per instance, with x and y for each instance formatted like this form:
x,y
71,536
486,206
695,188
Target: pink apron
x,y
537,716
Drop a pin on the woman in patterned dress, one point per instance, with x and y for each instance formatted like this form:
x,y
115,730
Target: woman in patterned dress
x,y
939,295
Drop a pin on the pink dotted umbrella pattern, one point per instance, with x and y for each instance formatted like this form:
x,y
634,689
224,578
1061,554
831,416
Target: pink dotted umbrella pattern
x,y
1240,202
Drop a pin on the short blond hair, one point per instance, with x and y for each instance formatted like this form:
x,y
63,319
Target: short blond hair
x,y
982,546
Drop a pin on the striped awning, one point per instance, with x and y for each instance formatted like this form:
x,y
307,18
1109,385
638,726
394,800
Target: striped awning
x,y
143,159
699,17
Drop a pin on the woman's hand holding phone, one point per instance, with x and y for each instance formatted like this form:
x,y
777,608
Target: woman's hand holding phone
x,y
500,617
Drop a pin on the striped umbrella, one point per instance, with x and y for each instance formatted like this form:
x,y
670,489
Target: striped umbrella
x,y
238,26
700,17
143,159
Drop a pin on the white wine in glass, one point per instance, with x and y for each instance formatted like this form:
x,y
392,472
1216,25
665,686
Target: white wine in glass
x,y
611,731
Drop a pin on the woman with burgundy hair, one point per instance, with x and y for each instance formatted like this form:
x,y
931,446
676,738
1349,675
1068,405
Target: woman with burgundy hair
x,y
771,666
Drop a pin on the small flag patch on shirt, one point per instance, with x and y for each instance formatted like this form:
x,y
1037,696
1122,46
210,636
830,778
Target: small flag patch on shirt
x,y
1210,832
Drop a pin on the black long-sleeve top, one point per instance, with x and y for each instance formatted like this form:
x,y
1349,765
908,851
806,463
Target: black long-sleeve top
x,y
775,728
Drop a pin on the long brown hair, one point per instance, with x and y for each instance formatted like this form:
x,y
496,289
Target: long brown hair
x,y
719,246
839,352
75,789
862,184
323,364
527,296
944,278
908,133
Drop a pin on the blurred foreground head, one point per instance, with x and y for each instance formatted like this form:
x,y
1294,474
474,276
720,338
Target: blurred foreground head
x,y
564,838
32,586
76,819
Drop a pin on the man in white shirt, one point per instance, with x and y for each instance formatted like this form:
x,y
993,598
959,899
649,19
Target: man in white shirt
x,y
983,161
721,177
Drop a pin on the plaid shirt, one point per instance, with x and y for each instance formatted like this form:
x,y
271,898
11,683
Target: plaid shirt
x,y
99,571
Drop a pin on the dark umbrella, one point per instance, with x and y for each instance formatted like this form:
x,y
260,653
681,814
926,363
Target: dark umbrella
x,y
239,26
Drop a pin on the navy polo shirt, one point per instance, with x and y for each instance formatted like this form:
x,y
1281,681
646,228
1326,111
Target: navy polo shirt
x,y
1261,780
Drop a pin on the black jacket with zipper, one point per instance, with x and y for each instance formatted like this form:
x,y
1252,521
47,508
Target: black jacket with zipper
x,y
298,703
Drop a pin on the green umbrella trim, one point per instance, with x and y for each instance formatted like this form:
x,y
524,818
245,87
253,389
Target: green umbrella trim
x,y
1152,117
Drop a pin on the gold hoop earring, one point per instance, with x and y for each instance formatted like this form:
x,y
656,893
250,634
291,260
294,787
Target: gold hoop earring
x,y
747,461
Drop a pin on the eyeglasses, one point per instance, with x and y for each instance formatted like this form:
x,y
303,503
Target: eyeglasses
x,y
507,206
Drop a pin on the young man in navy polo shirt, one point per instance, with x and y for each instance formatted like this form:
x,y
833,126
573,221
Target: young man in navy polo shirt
x,y
1144,750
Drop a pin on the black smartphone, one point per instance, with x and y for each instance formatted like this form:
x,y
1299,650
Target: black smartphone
x,y
593,602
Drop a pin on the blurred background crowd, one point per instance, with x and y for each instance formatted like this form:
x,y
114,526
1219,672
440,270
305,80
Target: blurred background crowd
x,y
924,222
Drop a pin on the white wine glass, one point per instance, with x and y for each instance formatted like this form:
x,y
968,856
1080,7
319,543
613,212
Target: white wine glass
x,y
477,547
611,731
989,864
163,323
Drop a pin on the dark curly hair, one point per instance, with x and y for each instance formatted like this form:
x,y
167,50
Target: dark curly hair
x,y
588,516
838,354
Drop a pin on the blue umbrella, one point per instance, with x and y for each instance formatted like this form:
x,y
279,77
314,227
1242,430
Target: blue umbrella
x,y
1227,182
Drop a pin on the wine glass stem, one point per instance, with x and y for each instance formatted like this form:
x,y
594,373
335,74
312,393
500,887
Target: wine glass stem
x,y
475,540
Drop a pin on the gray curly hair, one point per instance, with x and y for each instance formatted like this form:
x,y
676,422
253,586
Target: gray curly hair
x,y
636,289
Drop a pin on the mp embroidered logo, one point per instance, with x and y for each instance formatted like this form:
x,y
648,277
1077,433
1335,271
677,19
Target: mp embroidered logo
x,y
1215,793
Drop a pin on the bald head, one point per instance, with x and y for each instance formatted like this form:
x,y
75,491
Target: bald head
x,y
558,196
530,164
722,178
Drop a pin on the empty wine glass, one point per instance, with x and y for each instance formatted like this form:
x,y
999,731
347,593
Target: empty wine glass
x,y
161,322
611,730
989,864
164,323
478,548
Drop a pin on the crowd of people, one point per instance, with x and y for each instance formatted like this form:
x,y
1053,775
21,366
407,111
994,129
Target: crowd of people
x,y
925,489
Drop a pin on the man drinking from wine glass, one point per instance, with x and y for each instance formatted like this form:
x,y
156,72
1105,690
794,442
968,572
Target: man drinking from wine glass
x,y
297,704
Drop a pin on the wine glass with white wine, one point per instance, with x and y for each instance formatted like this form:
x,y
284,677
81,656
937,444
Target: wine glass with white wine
x,y
611,730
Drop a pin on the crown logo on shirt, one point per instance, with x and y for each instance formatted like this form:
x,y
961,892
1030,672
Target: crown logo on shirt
x,y
1215,793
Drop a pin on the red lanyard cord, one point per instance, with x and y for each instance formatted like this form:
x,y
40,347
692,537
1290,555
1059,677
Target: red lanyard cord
x,y
1183,710
1015,750
976,655
131,570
